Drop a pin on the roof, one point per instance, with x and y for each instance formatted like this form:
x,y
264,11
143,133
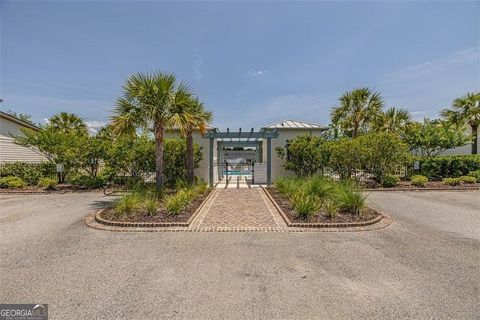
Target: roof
x,y
293,124
7,116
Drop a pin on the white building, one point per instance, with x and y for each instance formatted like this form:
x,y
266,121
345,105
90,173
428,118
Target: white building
x,y
10,127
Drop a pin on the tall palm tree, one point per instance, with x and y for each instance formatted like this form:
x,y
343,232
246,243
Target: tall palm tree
x,y
357,111
147,103
67,123
393,120
466,109
188,118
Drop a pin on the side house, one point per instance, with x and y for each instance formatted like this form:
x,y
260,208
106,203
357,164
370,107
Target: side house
x,y
11,126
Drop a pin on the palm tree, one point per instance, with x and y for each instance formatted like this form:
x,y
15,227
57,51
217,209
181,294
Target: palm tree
x,y
466,109
67,123
147,103
393,120
188,118
358,109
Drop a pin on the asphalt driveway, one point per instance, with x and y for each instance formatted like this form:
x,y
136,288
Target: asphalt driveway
x,y
426,265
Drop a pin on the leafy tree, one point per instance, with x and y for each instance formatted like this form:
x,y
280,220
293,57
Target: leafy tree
x,y
346,156
383,154
147,103
357,111
188,118
303,155
432,137
393,120
466,109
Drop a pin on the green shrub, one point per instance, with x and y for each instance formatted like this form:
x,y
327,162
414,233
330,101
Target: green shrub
x,y
319,186
419,180
349,199
305,204
176,203
88,182
467,179
475,174
12,183
287,185
30,173
331,208
200,188
449,166
127,204
390,181
151,205
346,156
304,155
47,183
451,181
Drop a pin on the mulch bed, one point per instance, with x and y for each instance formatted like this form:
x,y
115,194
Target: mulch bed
x,y
321,217
61,188
434,185
161,215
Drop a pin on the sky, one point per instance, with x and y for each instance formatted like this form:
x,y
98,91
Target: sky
x,y
251,63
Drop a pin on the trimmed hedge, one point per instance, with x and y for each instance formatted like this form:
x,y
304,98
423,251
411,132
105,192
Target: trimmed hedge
x,y
449,166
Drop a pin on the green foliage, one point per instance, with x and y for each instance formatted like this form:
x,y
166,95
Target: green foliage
x,y
303,155
47,183
306,205
287,185
390,181
28,172
319,186
128,204
357,111
88,182
176,203
419,180
467,179
151,205
449,166
12,183
451,181
383,154
331,208
349,199
346,155
174,159
475,174
200,188
432,137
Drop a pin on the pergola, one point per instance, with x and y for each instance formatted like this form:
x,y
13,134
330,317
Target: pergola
x,y
241,139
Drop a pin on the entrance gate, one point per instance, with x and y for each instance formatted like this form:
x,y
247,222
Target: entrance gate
x,y
218,141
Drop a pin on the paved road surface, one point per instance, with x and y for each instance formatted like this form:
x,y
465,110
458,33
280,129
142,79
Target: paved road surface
x,y
426,265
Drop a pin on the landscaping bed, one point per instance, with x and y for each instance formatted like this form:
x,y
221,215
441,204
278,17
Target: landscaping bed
x,y
161,215
430,185
145,207
342,217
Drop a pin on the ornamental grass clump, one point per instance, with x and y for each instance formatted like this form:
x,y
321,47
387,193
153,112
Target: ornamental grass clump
x,y
287,185
47,183
475,174
468,179
320,187
419,180
305,204
349,199
128,204
331,208
390,181
176,203
12,183
451,181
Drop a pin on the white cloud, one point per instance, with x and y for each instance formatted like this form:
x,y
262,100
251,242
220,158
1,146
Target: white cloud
x,y
437,65
256,72
94,125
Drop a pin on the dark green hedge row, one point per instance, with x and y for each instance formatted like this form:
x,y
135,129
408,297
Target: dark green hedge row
x,y
449,166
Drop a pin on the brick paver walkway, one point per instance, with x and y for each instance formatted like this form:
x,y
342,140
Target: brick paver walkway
x,y
239,208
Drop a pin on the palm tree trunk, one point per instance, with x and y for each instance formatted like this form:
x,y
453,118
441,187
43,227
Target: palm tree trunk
x,y
475,139
159,156
355,129
190,168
